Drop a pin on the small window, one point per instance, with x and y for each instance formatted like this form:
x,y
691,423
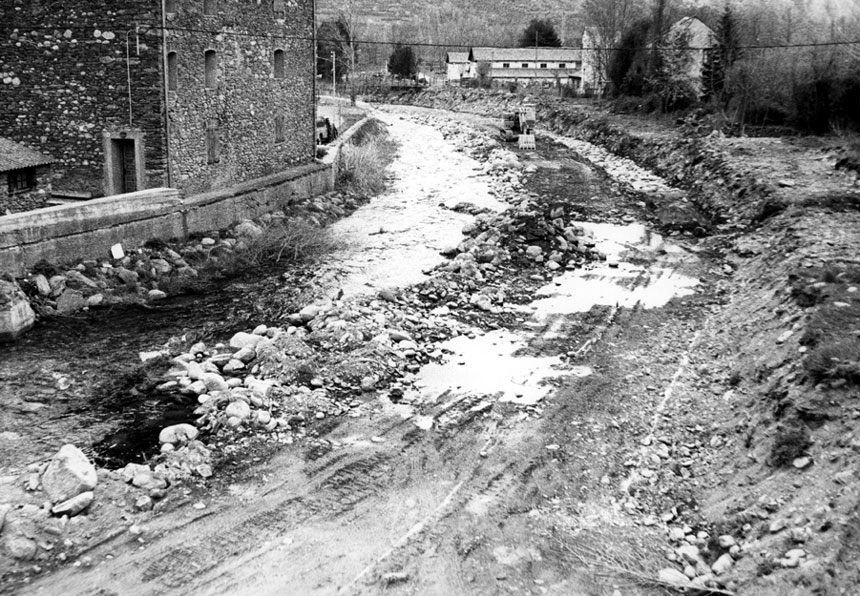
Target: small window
x,y
525,64
213,142
170,6
506,64
21,180
543,65
210,8
577,64
279,10
171,71
278,61
279,128
562,65
211,66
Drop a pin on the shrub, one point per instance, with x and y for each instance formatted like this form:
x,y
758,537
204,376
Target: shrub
x,y
835,360
789,443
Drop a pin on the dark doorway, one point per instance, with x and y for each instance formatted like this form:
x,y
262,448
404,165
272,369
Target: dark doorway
x,y
125,172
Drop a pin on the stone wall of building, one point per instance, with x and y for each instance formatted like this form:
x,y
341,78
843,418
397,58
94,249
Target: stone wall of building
x,y
24,201
64,81
239,114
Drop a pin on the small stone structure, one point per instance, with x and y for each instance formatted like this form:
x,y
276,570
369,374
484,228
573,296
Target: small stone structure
x,y
25,177
136,94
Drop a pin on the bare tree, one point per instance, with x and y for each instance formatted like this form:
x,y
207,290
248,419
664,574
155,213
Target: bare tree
x,y
605,21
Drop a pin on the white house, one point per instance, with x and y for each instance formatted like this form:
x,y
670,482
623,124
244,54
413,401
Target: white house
x,y
551,65
458,65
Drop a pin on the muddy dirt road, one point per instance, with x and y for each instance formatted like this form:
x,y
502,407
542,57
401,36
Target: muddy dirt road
x,y
508,465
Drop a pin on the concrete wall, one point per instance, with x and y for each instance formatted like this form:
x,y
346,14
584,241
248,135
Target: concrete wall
x,y
87,230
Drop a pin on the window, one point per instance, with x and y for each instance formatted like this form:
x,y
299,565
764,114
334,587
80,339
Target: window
x,y
278,63
211,66
171,71
506,64
562,65
577,64
210,7
279,128
170,6
21,180
525,64
213,142
279,10
543,65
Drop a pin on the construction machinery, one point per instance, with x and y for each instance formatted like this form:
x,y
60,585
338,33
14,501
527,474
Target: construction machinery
x,y
519,126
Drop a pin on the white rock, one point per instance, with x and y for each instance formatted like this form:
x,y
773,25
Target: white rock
x,y
245,340
74,505
689,553
238,409
214,382
723,564
260,330
156,295
178,433
69,474
245,354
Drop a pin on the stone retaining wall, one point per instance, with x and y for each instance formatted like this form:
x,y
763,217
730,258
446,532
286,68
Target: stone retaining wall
x,y
85,230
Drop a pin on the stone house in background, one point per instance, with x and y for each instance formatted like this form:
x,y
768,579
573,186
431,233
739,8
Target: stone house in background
x,y
699,38
596,52
135,94
25,177
530,65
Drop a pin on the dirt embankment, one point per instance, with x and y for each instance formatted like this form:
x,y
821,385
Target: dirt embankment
x,y
762,413
733,181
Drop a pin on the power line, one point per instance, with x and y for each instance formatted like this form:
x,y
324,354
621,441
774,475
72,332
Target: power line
x,y
171,29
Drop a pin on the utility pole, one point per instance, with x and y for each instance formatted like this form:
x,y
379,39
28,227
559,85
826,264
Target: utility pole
x,y
333,73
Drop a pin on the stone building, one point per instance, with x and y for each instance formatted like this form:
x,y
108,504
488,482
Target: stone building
x,y
25,177
134,94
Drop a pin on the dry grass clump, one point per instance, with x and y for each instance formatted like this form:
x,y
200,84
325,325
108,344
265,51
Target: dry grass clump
x,y
293,240
362,163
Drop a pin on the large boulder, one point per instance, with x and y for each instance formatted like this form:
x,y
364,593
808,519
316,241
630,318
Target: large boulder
x,y
68,475
16,316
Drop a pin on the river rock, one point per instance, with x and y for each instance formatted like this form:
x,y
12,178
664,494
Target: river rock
x,y
178,433
69,474
238,409
161,266
245,354
74,505
233,366
42,285
70,301
148,480
127,276
245,340
58,284
214,382
16,316
723,564
310,312
20,547
260,330
156,295
247,229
